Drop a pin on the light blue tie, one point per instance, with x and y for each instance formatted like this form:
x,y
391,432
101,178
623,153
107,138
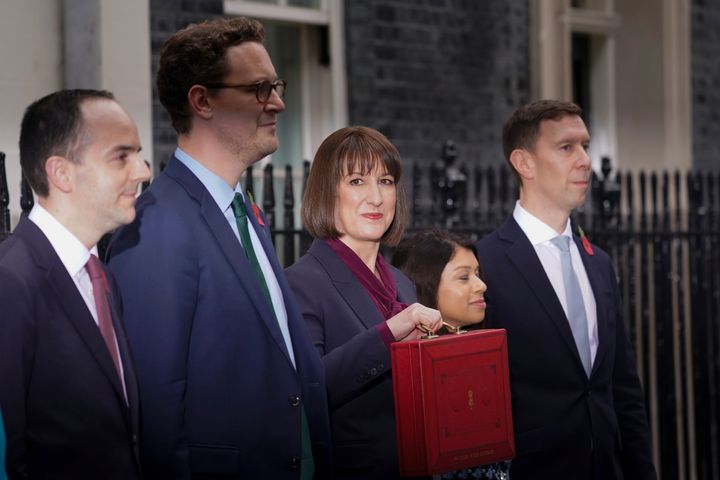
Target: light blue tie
x,y
576,307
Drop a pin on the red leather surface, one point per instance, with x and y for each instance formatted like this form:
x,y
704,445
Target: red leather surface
x,y
452,402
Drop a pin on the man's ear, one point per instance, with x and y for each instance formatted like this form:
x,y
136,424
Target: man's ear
x,y
60,173
199,102
524,163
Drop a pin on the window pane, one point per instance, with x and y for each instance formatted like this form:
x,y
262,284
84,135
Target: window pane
x,y
283,44
581,74
292,3
304,3
601,5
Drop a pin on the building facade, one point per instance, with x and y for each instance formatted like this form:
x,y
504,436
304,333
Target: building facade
x,y
421,71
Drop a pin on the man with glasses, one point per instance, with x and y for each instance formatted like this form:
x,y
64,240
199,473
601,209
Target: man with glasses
x,y
230,382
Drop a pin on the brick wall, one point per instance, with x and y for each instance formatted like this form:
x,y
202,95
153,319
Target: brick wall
x,y
425,71
705,71
166,17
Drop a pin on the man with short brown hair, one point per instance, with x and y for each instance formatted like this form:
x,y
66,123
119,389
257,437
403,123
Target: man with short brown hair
x,y
578,407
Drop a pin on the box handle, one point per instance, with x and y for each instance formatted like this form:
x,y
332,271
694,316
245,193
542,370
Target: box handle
x,y
429,334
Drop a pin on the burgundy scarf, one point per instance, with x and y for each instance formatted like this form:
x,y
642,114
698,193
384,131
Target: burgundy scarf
x,y
382,293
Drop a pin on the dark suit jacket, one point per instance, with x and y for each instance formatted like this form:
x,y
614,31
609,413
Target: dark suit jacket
x,y
3,476
566,425
63,403
220,394
342,319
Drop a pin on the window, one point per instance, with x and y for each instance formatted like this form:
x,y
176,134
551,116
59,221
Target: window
x,y
627,64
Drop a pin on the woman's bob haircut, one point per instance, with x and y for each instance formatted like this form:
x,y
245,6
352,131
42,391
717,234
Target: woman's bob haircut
x,y
350,149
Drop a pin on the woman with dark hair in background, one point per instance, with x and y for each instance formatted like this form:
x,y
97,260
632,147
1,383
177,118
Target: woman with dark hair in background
x,y
447,276
355,304
444,268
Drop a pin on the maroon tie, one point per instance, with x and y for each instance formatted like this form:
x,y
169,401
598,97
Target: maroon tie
x,y
100,291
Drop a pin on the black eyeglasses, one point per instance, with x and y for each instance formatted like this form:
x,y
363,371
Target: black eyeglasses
x,y
262,89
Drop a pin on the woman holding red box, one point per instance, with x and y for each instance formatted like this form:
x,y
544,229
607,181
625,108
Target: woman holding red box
x,y
354,303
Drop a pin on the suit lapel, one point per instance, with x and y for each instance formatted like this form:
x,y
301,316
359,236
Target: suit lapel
x,y
229,245
405,295
294,318
263,233
522,255
599,290
69,298
347,285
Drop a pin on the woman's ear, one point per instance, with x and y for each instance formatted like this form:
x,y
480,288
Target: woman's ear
x,y
524,163
199,102
60,174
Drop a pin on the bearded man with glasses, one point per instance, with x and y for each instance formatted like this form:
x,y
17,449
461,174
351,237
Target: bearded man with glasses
x,y
231,385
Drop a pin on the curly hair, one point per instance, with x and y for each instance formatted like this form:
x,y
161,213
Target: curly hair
x,y
196,55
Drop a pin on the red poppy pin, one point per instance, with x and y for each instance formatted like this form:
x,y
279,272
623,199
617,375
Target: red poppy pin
x,y
585,242
256,210
104,280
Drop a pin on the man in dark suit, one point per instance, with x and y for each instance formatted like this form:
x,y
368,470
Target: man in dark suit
x,y
230,381
578,408
68,389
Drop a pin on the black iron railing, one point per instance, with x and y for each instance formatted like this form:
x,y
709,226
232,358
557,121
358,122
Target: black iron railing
x,y
662,230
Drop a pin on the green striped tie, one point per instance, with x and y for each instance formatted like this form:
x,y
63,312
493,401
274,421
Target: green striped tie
x,y
307,466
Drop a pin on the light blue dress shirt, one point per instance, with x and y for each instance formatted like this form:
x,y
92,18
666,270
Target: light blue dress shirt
x,y
223,195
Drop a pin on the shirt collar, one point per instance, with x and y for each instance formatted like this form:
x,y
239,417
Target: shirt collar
x,y
73,254
219,190
536,230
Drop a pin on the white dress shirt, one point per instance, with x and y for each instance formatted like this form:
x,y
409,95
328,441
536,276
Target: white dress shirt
x,y
539,234
223,195
73,255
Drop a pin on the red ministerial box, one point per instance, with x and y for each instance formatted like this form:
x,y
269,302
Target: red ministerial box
x,y
452,402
